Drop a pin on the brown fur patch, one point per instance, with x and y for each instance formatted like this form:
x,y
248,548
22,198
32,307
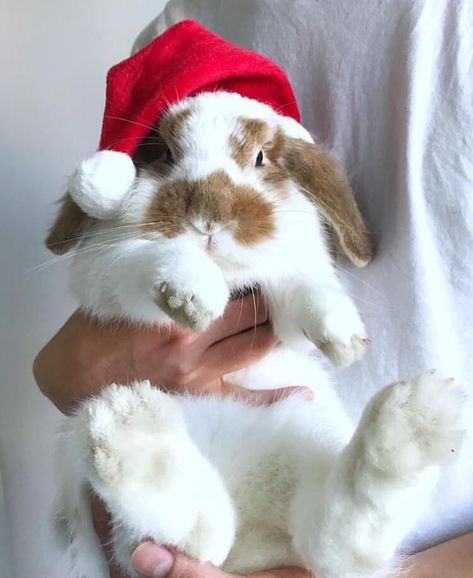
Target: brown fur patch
x,y
248,141
275,172
171,129
168,133
254,136
68,227
319,176
216,199
151,149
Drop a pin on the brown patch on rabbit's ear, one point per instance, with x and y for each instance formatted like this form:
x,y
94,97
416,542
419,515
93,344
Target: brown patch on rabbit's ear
x,y
321,179
68,227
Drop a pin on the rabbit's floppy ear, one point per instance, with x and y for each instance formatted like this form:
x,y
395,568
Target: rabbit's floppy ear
x,y
96,190
318,175
68,227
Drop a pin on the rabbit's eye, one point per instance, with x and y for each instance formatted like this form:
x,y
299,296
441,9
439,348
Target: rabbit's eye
x,y
169,157
259,159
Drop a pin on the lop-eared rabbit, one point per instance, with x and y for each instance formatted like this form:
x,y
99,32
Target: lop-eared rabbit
x,y
238,196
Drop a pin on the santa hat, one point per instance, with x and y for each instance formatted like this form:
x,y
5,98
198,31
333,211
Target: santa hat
x,y
184,61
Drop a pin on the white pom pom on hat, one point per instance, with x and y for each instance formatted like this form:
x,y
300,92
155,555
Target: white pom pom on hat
x,y
100,183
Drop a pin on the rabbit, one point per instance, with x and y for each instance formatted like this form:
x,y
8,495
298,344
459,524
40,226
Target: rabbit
x,y
236,195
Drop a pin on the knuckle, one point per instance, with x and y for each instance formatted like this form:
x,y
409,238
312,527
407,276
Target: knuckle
x,y
180,373
266,339
182,340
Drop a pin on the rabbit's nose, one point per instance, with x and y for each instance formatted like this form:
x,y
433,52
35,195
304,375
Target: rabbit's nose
x,y
206,227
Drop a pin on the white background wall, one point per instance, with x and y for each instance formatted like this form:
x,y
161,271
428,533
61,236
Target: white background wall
x,y
54,55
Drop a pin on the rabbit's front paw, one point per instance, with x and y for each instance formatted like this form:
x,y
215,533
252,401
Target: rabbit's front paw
x,y
340,335
344,353
189,309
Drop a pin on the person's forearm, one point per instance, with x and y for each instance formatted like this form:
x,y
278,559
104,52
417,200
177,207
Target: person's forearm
x,y
76,362
452,559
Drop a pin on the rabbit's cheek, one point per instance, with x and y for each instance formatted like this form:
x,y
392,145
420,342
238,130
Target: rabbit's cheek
x,y
255,224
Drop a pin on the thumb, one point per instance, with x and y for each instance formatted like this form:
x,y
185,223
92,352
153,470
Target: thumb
x,y
153,561
288,572
266,396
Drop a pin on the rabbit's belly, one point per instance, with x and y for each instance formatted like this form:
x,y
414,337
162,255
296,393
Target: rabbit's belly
x,y
263,496
259,548
262,490
263,454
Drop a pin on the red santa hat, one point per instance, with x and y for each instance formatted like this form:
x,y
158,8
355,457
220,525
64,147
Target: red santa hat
x,y
184,61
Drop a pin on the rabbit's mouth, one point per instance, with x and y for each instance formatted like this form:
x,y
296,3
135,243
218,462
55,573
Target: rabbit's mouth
x,y
207,231
209,244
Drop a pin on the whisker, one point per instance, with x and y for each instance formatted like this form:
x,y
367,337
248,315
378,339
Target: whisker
x,y
362,281
113,261
150,127
255,316
241,308
381,307
42,266
88,248
132,138
86,236
133,226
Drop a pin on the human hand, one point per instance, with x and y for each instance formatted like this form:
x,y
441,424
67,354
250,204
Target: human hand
x,y
153,561
453,558
86,355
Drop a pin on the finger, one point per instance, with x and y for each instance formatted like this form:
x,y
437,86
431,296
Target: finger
x,y
241,314
289,572
238,351
101,519
153,561
115,572
266,396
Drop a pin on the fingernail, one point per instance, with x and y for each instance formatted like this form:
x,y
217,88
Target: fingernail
x,y
301,390
306,393
151,560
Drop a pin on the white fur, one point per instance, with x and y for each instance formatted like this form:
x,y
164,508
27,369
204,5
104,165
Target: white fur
x,y
100,183
245,487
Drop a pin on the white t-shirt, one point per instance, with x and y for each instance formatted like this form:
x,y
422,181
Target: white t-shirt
x,y
388,86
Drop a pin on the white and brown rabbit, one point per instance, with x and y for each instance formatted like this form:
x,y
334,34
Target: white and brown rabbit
x,y
239,198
